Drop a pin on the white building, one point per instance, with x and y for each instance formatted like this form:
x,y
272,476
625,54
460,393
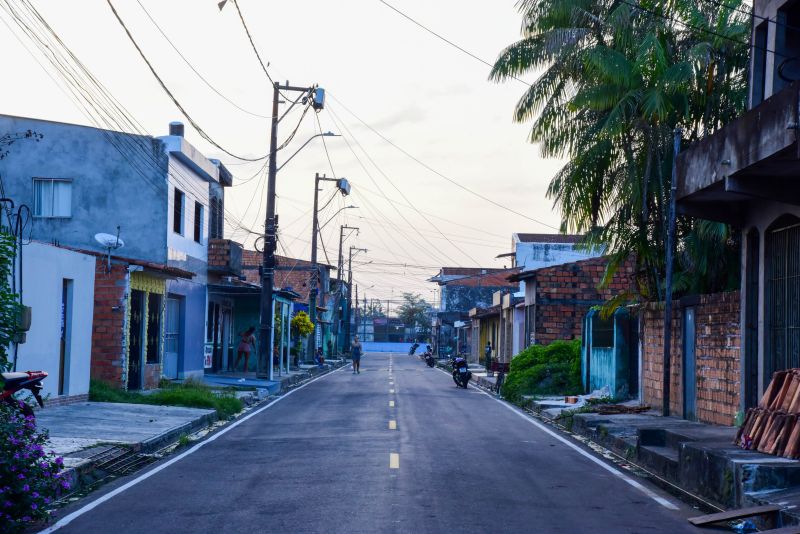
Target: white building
x,y
62,307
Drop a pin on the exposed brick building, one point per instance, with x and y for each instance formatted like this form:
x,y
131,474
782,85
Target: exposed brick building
x,y
289,273
717,357
127,332
558,297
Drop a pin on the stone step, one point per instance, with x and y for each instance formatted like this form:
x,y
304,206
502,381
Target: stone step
x,y
663,461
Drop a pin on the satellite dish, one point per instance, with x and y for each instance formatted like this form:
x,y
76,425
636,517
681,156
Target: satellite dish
x,y
109,241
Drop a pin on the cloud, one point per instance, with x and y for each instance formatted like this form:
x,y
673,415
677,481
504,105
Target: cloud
x,y
409,115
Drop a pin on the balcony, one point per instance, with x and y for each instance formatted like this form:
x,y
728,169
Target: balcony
x,y
755,157
224,257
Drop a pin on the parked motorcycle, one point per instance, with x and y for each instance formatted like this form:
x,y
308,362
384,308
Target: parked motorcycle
x,y
429,359
15,382
413,349
461,372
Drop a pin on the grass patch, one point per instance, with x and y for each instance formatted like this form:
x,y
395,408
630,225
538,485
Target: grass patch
x,y
190,394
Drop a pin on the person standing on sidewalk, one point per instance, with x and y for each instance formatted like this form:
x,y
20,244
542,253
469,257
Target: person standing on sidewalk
x,y
355,350
488,357
246,342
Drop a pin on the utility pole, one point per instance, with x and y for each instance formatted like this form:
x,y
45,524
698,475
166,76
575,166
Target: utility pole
x,y
344,188
350,292
356,313
364,318
317,97
339,270
670,244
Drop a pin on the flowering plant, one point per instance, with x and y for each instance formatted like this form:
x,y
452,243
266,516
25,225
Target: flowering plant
x,y
29,475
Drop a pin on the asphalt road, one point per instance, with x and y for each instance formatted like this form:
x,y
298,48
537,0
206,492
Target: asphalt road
x,y
397,448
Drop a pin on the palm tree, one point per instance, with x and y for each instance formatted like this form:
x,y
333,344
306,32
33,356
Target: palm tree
x,y
616,78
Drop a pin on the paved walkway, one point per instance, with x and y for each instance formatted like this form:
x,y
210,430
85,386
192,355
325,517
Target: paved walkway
x,y
87,424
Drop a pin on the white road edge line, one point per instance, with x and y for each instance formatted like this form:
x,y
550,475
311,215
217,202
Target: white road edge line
x,y
666,503
66,520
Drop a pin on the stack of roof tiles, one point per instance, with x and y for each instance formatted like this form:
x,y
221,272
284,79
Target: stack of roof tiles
x,y
774,427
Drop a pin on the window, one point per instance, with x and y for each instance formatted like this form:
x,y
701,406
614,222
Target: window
x,y
177,212
602,332
52,198
198,222
215,221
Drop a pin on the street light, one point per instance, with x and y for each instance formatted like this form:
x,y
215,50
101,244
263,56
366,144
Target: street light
x,y
344,188
335,214
326,134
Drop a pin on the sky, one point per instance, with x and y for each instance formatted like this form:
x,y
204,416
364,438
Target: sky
x,y
426,97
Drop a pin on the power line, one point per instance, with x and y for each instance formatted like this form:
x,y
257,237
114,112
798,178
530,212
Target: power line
x,y
255,49
169,93
392,183
130,146
434,171
189,64
342,126
446,40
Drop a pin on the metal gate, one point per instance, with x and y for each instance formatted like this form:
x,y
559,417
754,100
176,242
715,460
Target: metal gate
x,y
782,270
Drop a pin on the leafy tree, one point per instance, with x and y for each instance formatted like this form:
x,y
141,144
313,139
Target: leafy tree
x,y
374,309
617,78
9,303
414,312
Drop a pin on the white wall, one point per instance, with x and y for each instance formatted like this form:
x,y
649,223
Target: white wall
x,y
195,189
44,269
532,256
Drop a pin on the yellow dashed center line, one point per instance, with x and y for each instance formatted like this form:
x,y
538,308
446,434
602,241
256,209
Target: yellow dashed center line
x,y
391,404
394,460
392,425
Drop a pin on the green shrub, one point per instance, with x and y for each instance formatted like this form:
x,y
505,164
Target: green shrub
x,y
553,369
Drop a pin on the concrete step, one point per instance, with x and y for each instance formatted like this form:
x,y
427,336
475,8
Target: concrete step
x,y
663,461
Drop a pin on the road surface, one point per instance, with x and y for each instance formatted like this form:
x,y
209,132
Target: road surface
x,y
397,448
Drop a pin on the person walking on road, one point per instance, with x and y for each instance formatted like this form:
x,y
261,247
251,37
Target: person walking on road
x,y
246,342
355,349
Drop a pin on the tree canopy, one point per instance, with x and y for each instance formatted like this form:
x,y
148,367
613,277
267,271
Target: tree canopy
x,y
615,79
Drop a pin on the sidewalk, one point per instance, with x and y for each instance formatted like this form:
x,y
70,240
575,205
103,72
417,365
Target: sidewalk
x,y
102,440
263,387
700,459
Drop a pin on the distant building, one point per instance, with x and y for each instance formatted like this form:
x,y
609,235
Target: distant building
x,y
534,251
462,289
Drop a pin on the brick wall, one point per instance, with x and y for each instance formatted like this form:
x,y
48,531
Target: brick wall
x,y
717,357
152,375
565,293
64,400
108,324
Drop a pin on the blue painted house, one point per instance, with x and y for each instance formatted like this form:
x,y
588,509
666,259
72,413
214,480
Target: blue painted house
x,y
166,201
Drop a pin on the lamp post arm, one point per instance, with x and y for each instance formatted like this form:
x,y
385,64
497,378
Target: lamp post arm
x,y
298,150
